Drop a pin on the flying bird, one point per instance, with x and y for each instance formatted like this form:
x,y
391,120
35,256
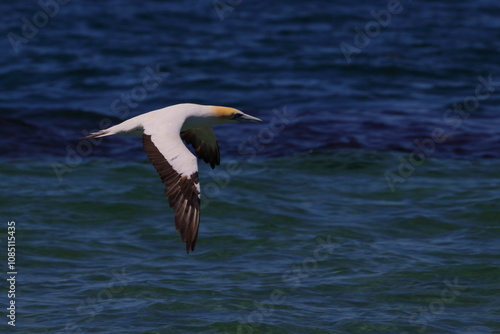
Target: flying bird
x,y
162,132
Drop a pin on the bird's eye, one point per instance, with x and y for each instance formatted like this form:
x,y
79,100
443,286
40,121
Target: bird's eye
x,y
237,115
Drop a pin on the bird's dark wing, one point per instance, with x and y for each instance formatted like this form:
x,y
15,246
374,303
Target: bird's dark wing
x,y
204,143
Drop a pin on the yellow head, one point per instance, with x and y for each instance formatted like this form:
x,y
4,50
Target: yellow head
x,y
229,115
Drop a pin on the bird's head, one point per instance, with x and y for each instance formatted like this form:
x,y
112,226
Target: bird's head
x,y
231,115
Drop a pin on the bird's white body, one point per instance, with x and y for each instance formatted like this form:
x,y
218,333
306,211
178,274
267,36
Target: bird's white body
x,y
163,132
185,116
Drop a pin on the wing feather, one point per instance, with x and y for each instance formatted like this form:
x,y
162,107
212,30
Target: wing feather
x,y
181,185
204,143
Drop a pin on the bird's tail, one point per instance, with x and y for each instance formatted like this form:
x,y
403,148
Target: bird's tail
x,y
130,127
98,134
113,130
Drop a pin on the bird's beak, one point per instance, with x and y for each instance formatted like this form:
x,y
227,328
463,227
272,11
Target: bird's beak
x,y
248,118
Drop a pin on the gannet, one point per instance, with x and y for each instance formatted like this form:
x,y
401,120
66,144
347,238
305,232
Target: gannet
x,y
162,132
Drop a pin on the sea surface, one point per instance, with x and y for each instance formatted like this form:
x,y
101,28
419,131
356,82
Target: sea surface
x,y
368,200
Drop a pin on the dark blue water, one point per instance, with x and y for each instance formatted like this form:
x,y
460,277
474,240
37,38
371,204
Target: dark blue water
x,y
366,202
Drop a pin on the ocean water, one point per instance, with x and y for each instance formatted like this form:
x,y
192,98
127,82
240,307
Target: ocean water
x,y
366,201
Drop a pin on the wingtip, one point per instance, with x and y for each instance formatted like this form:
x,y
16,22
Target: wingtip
x,y
189,247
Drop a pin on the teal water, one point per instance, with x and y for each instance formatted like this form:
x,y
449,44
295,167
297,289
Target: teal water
x,y
312,243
